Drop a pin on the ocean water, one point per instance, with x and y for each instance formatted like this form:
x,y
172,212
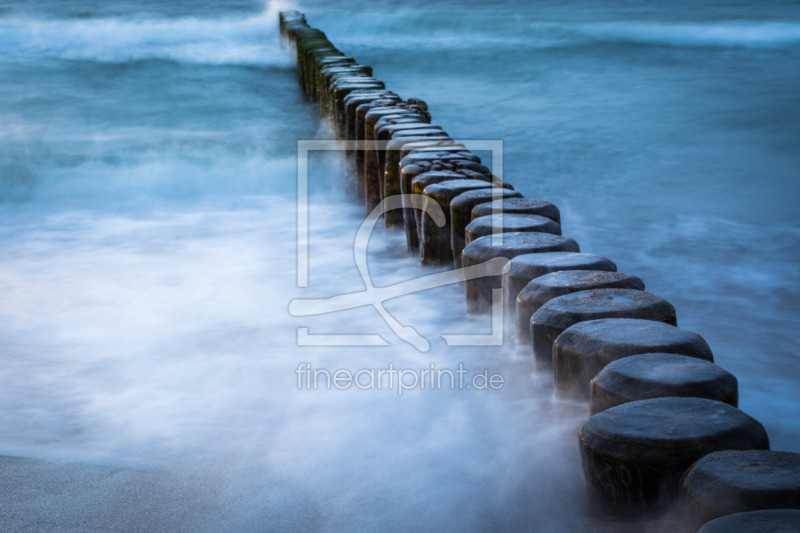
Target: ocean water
x,y
148,204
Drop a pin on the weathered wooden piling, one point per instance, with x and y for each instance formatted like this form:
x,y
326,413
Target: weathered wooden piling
x,y
635,446
435,240
658,375
363,96
386,129
340,89
510,245
461,214
288,19
563,281
728,482
373,171
351,103
505,223
585,348
771,521
362,104
634,454
333,73
524,268
432,177
418,162
390,183
560,313
405,142
519,206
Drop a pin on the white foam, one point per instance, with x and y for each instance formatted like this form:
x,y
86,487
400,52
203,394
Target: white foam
x,y
244,41
749,34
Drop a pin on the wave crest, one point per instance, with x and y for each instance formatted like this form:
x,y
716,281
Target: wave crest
x,y
243,41
737,34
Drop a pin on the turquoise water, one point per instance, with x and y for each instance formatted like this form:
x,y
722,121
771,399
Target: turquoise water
x,y
147,194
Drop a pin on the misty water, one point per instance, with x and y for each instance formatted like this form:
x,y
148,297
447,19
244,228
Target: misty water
x,y
149,247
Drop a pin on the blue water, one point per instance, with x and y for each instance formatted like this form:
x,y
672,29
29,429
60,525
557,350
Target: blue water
x,y
148,246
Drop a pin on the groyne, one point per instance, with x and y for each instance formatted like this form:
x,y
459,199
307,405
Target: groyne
x,y
657,404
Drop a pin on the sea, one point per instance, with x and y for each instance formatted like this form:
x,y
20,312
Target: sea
x,y
152,240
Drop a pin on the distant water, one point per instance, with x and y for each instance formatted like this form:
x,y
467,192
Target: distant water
x,y
148,246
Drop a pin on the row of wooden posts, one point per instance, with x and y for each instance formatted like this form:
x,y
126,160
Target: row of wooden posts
x,y
665,425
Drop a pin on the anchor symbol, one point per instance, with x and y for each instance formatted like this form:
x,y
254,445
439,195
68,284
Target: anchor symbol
x,y
375,296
